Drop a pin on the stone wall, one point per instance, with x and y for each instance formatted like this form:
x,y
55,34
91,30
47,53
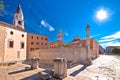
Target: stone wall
x,y
2,40
73,54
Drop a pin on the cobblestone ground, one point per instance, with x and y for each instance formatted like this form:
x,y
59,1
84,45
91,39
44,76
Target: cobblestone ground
x,y
105,67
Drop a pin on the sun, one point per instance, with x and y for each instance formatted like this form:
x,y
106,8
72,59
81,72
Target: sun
x,y
101,14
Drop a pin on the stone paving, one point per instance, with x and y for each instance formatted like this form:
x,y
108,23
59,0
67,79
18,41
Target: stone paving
x,y
105,67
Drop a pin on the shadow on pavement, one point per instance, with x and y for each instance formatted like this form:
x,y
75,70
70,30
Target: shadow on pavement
x,y
32,77
78,71
36,76
15,72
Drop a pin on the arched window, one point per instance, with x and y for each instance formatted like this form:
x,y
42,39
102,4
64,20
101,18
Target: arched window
x,y
22,35
10,43
22,45
11,32
19,22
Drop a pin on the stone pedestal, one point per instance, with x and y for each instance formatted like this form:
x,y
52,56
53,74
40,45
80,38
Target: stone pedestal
x,y
60,68
35,63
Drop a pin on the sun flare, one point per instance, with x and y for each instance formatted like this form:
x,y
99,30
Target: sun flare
x,y
101,14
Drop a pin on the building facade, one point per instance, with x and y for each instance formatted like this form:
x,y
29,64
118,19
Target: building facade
x,y
101,50
12,43
35,42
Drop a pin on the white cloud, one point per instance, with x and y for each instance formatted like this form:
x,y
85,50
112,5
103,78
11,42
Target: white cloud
x,y
106,40
95,35
51,28
42,22
113,36
66,34
110,40
114,43
47,25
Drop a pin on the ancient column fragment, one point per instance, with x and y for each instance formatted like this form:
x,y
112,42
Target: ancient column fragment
x,y
88,54
60,68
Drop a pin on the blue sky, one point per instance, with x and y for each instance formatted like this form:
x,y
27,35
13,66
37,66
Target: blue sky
x,y
47,17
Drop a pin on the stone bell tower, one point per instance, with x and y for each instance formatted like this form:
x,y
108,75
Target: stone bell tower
x,y
18,17
60,36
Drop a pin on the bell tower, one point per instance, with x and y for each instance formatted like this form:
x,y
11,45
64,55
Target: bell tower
x,y
18,17
60,36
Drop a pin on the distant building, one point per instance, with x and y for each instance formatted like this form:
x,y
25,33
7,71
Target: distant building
x,y
110,48
101,50
75,41
94,46
13,39
35,41
57,43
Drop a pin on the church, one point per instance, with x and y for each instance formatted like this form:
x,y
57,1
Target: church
x,y
13,39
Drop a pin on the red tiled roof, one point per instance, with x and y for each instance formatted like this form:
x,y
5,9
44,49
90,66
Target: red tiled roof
x,y
11,26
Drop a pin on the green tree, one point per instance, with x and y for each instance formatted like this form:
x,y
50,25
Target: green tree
x,y
1,5
116,51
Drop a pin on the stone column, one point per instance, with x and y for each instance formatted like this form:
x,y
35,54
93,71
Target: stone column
x,y
88,54
60,68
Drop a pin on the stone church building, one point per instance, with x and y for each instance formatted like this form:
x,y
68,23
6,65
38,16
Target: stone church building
x,y
13,39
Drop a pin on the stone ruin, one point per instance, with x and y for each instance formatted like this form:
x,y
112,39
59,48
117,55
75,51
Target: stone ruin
x,y
34,64
60,68
59,72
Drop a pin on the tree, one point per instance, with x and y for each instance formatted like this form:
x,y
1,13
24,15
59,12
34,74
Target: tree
x,y
116,51
1,5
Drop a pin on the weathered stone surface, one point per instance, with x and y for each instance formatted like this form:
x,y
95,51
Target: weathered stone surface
x,y
35,63
87,62
60,68
88,54
73,54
